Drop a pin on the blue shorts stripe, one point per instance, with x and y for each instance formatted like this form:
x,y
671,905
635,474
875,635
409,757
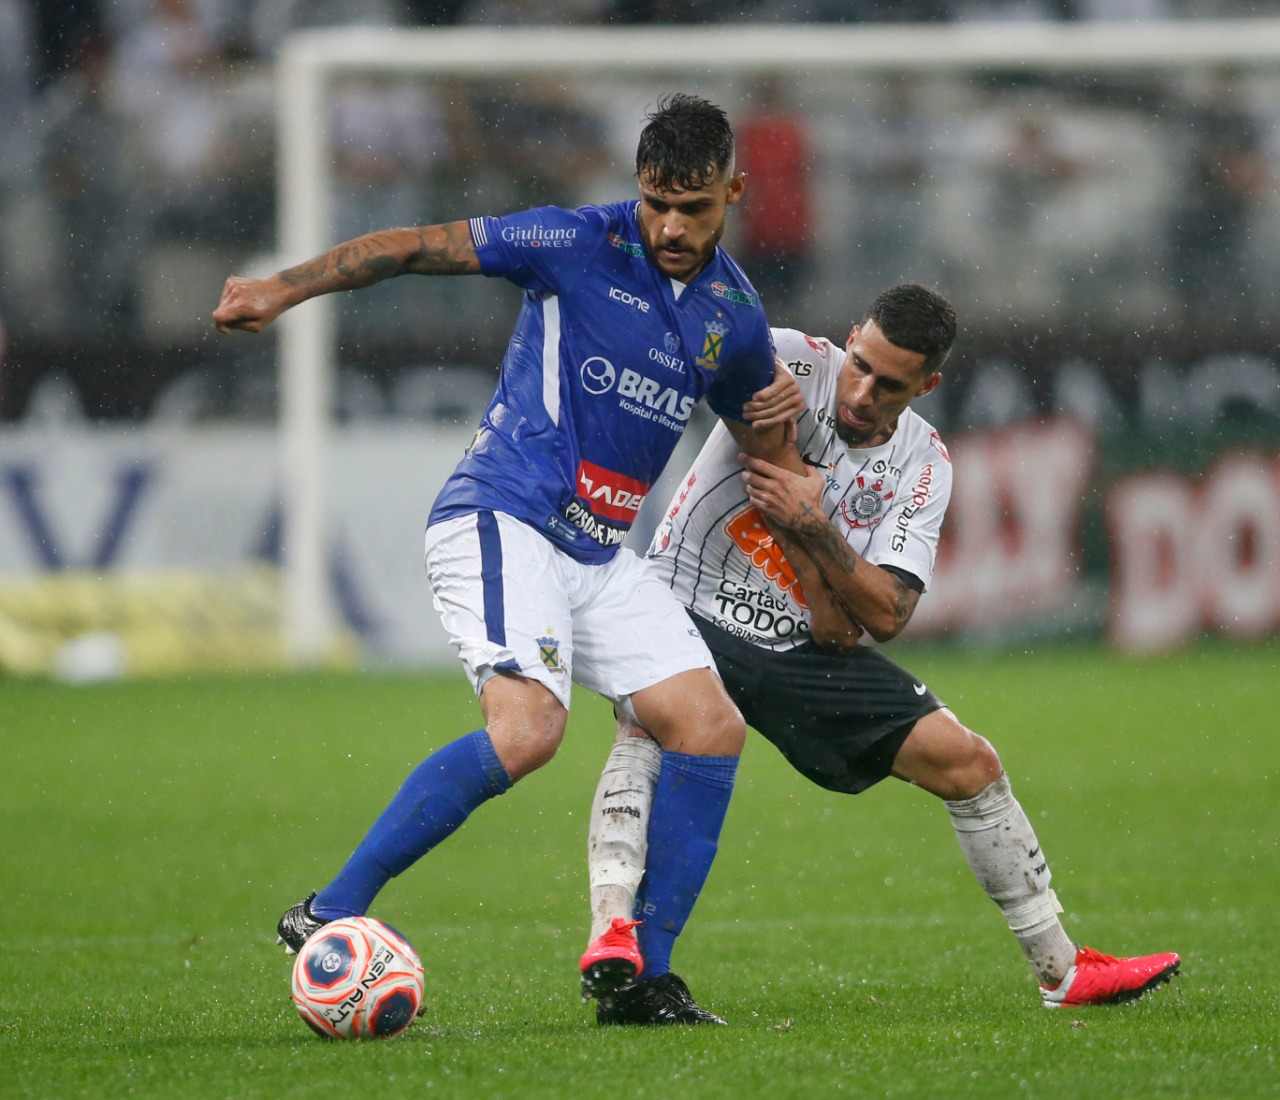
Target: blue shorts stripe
x,y
495,623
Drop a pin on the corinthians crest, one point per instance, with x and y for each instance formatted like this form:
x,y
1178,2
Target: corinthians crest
x,y
712,345
865,504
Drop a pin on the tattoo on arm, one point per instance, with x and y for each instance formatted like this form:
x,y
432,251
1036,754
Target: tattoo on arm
x,y
832,555
905,599
444,250
426,250
305,273
816,532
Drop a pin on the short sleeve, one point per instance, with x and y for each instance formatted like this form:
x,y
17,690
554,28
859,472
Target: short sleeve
x,y
542,249
907,536
747,369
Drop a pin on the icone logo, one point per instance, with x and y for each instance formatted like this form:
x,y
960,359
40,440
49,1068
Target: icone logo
x,y
628,299
609,493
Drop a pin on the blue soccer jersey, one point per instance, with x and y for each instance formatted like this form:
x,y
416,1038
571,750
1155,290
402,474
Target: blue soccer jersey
x,y
608,359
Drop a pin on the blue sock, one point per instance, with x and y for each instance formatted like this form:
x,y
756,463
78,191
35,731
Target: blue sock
x,y
435,799
689,804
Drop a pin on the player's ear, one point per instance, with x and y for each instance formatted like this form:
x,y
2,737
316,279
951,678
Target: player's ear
x,y
853,335
930,384
736,186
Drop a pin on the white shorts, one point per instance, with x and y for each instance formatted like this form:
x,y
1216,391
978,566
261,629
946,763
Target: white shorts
x,y
514,602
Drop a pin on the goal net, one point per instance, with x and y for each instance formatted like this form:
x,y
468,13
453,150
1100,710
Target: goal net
x,y
1094,197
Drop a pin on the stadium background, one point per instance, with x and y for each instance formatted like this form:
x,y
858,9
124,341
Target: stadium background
x,y
1109,240
1113,409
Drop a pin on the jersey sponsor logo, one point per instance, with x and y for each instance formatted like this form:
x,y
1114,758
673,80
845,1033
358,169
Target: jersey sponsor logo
x,y
638,395
538,236
628,299
751,613
651,400
738,297
864,507
750,535
669,356
690,482
623,245
919,498
712,345
577,513
598,375
800,368
609,493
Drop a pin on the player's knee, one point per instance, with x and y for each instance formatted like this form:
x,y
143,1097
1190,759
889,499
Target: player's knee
x,y
525,723
725,730
974,766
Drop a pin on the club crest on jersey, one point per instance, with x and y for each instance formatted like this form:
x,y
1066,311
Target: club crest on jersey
x,y
864,507
549,653
712,345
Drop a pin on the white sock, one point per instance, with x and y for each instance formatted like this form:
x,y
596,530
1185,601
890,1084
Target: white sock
x,y
617,838
1005,855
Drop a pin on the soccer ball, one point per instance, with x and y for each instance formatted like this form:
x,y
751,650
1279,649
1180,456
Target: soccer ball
x,y
357,978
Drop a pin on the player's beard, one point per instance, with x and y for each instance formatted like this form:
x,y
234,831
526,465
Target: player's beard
x,y
699,259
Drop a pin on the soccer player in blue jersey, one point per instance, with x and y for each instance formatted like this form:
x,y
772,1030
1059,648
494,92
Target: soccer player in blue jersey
x,y
632,314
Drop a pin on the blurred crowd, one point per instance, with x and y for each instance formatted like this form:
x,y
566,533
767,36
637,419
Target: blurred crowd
x,y
139,169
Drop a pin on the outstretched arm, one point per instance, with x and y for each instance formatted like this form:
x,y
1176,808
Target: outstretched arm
x,y
250,305
878,600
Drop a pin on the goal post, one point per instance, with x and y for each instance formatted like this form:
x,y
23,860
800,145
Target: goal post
x,y
311,60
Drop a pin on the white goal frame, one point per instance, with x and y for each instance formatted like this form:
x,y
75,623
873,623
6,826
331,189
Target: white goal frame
x,y
310,59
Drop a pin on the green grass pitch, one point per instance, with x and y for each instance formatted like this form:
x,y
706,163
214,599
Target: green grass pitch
x,y
153,832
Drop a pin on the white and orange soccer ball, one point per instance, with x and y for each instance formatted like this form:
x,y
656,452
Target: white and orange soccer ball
x,y
358,978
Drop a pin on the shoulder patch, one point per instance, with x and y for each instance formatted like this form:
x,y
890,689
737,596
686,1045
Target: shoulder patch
x,y
820,346
623,245
935,441
723,290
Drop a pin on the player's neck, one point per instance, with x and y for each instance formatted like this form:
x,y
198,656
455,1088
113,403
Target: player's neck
x,y
879,439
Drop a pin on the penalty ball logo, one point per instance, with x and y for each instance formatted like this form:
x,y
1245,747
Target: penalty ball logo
x,y
331,962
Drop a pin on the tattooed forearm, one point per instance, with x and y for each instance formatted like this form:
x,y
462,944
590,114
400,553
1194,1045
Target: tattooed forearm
x,y
426,250
444,250
822,540
305,273
905,599
875,598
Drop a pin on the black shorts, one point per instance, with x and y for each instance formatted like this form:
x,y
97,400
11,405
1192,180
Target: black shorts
x,y
838,718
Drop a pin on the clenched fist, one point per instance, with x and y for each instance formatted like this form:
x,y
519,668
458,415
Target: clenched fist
x,y
249,305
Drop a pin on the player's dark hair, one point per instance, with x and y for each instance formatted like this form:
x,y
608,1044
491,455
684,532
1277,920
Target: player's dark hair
x,y
687,144
918,319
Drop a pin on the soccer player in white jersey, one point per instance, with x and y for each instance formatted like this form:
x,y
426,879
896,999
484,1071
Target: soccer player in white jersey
x,y
632,313
787,576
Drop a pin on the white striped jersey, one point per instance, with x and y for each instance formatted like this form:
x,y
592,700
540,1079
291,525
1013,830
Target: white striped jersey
x,y
888,502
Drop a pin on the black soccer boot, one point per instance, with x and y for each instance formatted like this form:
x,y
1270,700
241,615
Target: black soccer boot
x,y
297,925
654,1001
